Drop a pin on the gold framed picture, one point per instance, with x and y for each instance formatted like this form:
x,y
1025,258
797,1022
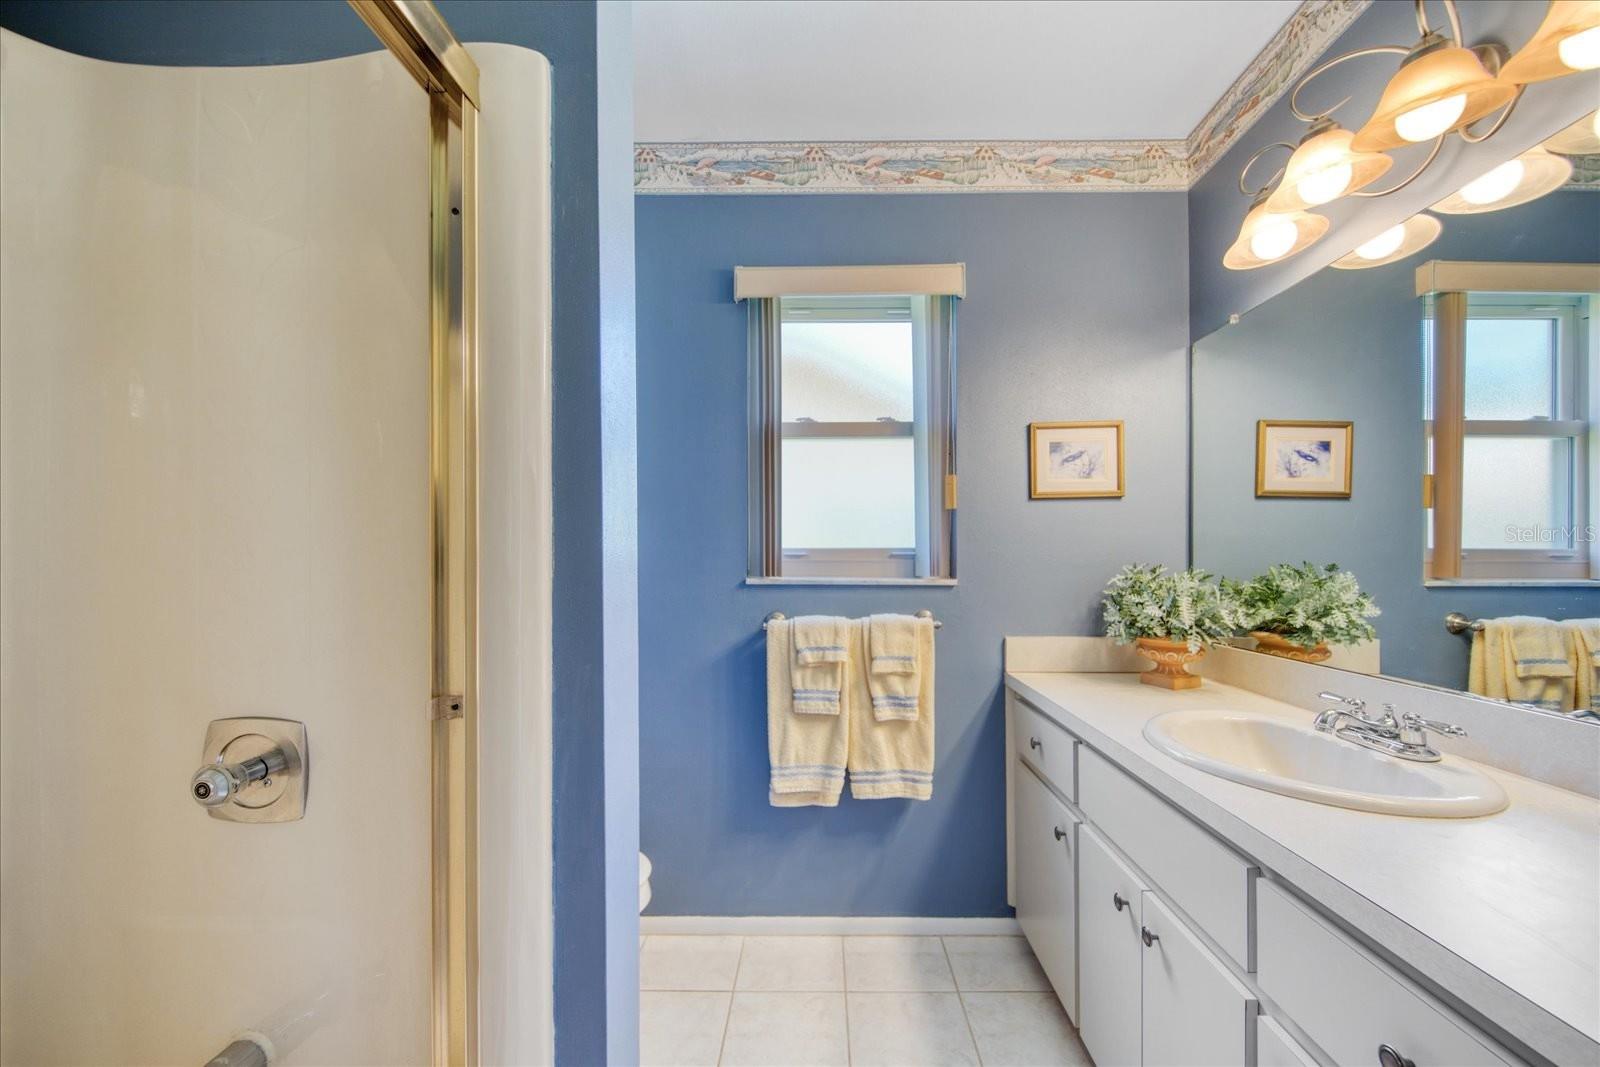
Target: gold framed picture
x,y
1301,458
1075,459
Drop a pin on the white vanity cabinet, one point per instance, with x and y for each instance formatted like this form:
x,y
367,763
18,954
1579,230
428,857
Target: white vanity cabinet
x,y
1194,1012
1168,947
1047,883
1109,899
1152,992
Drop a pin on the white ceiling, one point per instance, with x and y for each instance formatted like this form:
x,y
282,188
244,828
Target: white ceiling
x,y
864,70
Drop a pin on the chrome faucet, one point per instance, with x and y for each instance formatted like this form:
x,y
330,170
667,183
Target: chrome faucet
x,y
1405,737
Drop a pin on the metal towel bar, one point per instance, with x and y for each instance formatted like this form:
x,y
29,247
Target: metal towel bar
x,y
1458,623
778,616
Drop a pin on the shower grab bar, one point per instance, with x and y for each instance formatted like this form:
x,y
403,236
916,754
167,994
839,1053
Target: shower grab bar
x,y
778,616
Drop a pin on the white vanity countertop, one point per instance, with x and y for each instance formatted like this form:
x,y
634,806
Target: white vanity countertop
x,y
1501,911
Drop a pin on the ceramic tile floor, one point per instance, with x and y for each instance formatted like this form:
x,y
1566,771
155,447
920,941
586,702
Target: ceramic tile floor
x,y
808,1001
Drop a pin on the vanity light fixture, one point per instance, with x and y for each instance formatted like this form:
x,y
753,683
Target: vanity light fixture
x,y
1567,40
1395,243
1582,138
1442,87
1267,236
1527,177
1324,167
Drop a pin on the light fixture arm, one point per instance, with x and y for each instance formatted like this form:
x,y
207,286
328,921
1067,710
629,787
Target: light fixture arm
x,y
1433,154
1493,57
1450,13
1294,97
1270,182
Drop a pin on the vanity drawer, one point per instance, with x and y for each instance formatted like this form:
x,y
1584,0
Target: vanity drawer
x,y
1347,1001
1045,745
1204,877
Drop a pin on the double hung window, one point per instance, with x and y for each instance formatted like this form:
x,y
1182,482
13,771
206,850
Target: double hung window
x,y
852,427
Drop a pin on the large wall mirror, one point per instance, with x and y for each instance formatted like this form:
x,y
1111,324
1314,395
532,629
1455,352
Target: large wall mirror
x,y
1425,413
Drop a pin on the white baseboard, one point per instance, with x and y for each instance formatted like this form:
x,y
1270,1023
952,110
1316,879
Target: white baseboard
x,y
756,925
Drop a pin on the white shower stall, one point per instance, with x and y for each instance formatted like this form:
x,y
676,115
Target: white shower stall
x,y
216,502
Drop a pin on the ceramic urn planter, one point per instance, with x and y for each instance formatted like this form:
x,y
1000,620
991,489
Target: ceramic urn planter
x,y
1170,658
1274,645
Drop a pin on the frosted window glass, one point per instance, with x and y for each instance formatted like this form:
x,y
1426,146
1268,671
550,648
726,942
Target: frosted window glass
x,y
1515,484
847,371
1511,368
849,492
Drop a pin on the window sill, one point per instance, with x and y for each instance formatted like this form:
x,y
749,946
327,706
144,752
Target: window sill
x,y
934,582
1510,583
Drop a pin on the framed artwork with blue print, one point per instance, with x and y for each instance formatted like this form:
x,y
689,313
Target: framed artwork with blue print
x,y
1074,459
1297,458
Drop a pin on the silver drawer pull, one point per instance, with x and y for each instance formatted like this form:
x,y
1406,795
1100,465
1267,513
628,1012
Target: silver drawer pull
x,y
1147,937
1388,1057
1034,742
1119,900
1060,833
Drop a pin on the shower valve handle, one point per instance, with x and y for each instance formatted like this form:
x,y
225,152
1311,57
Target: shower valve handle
x,y
219,783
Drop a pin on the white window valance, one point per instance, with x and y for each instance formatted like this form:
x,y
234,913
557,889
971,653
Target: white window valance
x,y
909,279
1450,276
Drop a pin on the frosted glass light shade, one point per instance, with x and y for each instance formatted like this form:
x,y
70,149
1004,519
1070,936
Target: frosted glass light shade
x,y
1568,40
1427,121
1324,168
1495,185
1541,172
1383,245
1270,236
1395,243
1274,237
1582,138
1436,90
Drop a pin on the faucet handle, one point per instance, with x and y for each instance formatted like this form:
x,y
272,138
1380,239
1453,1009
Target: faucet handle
x,y
1417,722
1336,698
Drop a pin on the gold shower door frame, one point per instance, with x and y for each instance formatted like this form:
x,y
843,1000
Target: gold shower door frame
x,y
418,36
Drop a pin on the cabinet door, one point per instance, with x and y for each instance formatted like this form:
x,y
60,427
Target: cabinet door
x,y
1108,954
1046,848
1196,1014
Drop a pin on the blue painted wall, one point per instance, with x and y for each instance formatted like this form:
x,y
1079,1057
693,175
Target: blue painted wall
x,y
1216,207
1076,310
594,545
1347,345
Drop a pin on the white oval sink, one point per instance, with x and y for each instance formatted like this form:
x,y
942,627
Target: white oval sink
x,y
1284,757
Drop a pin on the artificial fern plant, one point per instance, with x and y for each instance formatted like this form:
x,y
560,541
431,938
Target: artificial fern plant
x,y
1308,605
1150,601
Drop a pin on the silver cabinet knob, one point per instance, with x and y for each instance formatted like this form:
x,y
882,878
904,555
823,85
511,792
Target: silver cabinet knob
x,y
1060,833
1034,742
1388,1057
1147,937
1119,901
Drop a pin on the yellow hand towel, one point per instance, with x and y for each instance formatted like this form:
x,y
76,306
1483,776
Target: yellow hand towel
x,y
806,752
891,757
1585,636
818,661
1541,647
1493,672
821,639
894,679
